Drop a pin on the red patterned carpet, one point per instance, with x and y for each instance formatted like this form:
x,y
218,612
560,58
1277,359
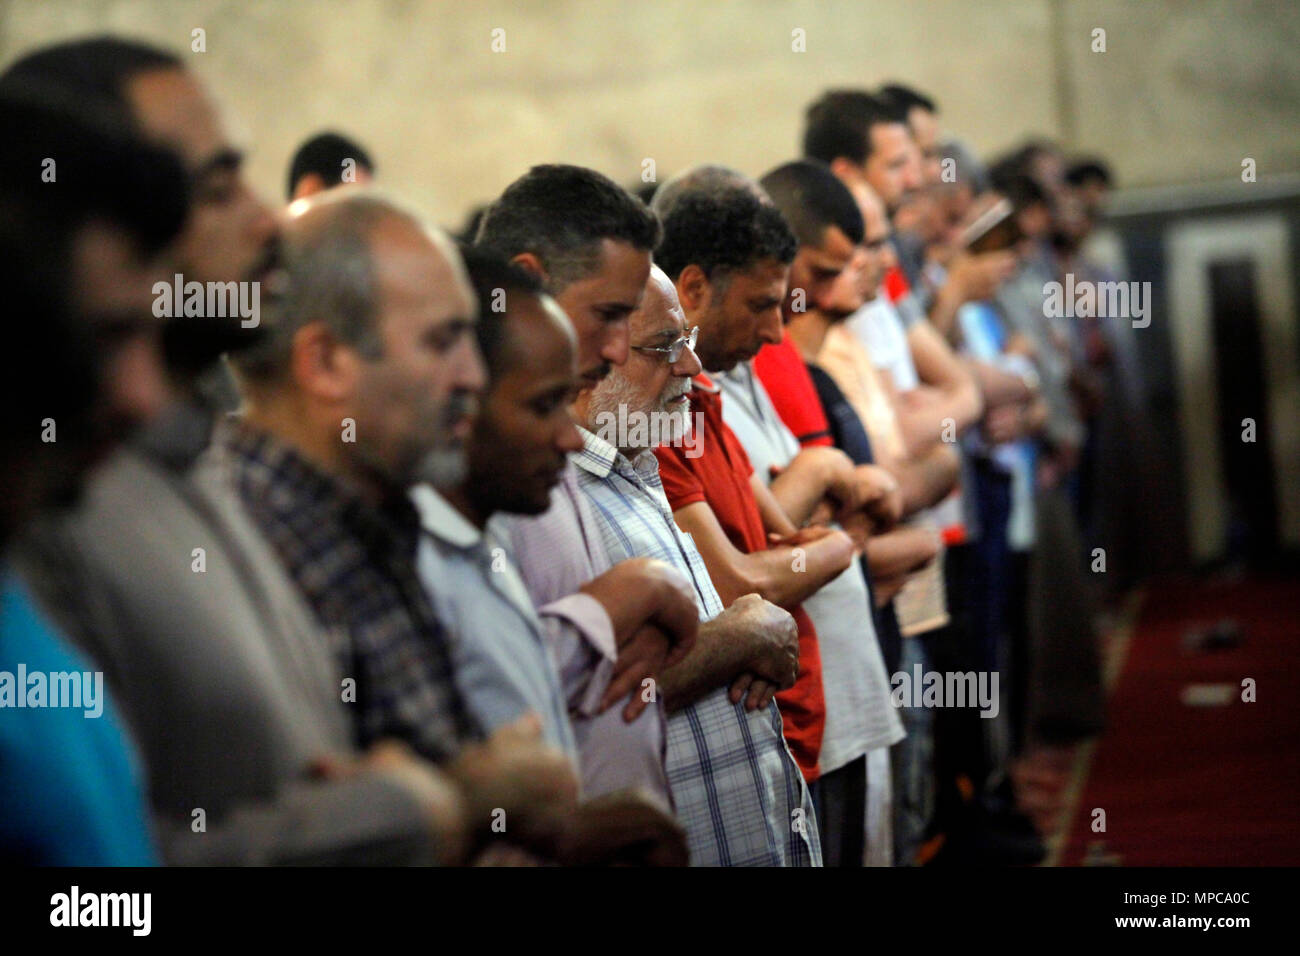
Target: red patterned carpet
x,y
1217,784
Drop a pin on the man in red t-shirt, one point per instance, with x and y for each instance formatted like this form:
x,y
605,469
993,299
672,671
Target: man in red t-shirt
x,y
714,497
732,283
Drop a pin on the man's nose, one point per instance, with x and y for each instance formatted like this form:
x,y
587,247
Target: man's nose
x,y
687,364
616,341
915,171
825,298
263,224
888,257
568,438
471,373
770,328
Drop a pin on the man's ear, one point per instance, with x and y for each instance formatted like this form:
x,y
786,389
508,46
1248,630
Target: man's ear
x,y
693,289
532,265
322,366
309,185
846,170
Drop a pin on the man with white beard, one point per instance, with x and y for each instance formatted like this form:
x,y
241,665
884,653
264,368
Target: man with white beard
x,y
738,790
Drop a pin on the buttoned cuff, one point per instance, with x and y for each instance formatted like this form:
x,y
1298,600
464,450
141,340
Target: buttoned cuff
x,y
581,638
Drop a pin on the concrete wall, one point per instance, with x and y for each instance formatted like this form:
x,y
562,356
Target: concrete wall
x,y
1184,91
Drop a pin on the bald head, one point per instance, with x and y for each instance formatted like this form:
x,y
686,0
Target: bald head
x,y
660,311
706,179
371,362
342,250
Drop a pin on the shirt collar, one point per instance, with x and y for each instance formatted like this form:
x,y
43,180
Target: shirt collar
x,y
291,484
599,458
741,385
177,436
439,518
705,384
739,376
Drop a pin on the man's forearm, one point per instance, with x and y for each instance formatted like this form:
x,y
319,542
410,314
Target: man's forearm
x,y
938,367
366,819
720,653
997,385
943,308
789,578
900,551
803,485
632,599
948,412
927,479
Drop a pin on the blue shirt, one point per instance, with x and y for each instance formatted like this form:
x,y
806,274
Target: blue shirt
x,y
499,658
70,792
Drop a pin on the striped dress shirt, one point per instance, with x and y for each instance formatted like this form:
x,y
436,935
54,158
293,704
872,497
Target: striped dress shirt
x,y
738,791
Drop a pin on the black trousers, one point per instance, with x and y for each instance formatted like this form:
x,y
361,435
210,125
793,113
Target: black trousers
x,y
840,798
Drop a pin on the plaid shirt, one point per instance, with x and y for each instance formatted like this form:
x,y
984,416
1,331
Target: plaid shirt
x,y
736,787
356,565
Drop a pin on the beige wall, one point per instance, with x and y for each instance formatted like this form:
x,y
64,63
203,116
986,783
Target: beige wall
x,y
1185,90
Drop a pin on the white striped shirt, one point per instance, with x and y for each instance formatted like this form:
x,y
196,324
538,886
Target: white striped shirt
x,y
738,791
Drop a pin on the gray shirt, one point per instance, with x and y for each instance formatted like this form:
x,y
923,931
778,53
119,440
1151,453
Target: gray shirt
x,y
502,667
222,672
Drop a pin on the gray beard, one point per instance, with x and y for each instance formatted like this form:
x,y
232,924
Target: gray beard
x,y
443,468
613,394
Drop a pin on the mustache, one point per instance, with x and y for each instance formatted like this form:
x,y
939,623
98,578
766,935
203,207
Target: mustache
x,y
460,405
270,259
191,344
676,389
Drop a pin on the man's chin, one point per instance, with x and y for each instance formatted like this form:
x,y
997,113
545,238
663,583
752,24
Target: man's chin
x,y
444,468
732,362
530,503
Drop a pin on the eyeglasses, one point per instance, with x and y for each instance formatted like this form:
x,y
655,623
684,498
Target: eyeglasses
x,y
675,349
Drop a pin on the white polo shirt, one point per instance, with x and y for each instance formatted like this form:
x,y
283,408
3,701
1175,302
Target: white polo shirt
x,y
859,716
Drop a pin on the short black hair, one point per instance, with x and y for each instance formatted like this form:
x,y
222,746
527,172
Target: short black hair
x,y
490,275
813,199
906,98
324,154
98,168
1019,187
99,67
468,229
1091,169
100,173
722,230
48,366
839,124
560,214
646,191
